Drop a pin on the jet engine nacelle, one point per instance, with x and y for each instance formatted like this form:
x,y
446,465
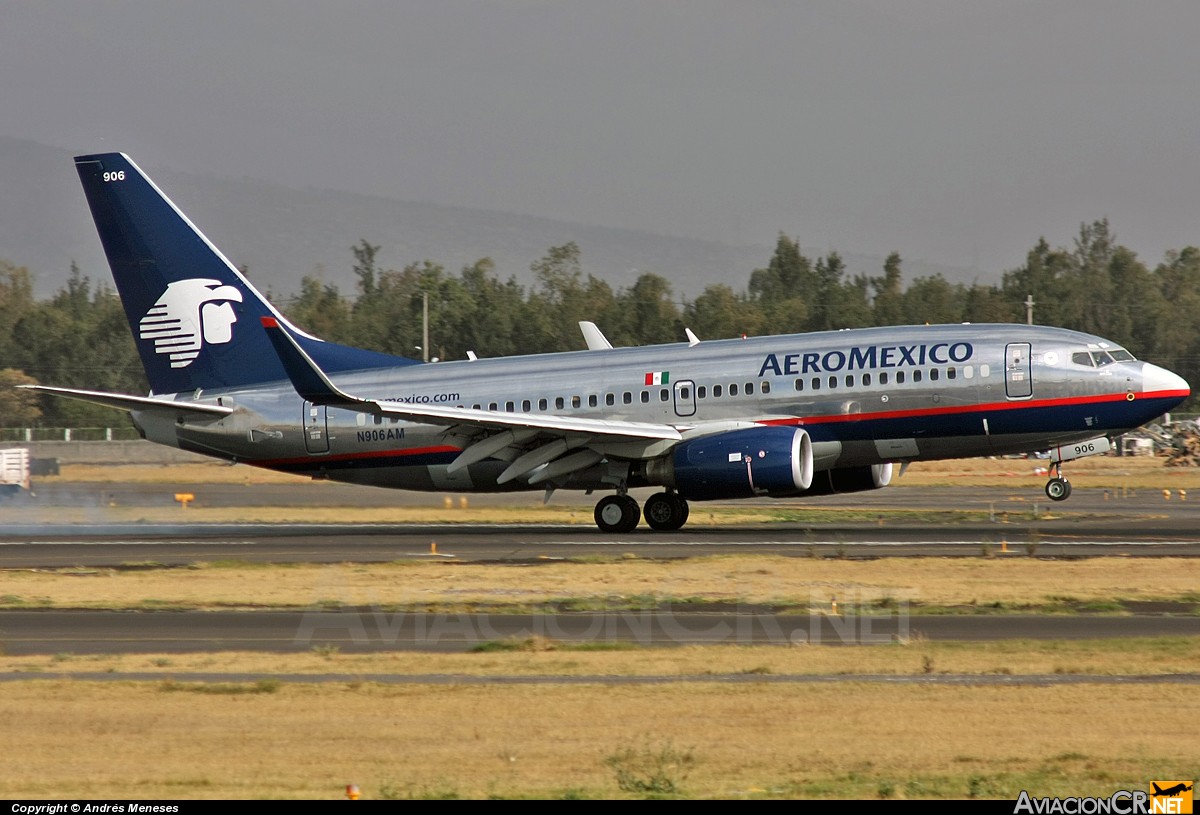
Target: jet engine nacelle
x,y
744,463
851,479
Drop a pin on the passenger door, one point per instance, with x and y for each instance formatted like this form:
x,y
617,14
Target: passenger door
x,y
1018,374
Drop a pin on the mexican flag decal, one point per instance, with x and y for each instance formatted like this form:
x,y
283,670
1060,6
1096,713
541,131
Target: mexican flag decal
x,y
658,377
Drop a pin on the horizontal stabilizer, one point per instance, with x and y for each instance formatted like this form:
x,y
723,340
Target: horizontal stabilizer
x,y
121,401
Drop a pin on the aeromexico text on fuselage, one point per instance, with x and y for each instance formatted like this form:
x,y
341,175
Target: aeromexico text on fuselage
x,y
866,358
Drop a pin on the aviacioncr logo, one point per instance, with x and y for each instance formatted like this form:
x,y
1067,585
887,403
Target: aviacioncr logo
x,y
189,314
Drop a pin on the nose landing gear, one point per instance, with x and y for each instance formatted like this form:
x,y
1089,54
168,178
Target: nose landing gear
x,y
1058,488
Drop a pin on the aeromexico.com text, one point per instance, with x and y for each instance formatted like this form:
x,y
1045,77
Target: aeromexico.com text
x,y
424,398
866,358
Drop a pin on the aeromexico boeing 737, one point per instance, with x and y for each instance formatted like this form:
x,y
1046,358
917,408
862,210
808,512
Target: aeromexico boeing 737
x,y
780,416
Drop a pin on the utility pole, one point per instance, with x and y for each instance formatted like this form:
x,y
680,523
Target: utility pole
x,y
425,326
1029,309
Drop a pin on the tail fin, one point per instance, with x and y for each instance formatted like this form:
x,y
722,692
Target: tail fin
x,y
196,320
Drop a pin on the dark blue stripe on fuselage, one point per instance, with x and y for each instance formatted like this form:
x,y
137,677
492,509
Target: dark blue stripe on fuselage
x,y
358,462
1106,417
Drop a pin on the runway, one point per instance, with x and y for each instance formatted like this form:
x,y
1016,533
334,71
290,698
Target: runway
x,y
1095,525
369,630
49,545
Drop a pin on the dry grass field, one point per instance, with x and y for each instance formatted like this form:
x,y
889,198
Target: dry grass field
x,y
702,740
604,724
1013,582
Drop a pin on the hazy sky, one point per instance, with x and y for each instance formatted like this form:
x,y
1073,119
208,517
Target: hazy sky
x,y
953,131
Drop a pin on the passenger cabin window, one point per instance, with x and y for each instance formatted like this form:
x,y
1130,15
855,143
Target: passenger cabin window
x,y
716,391
866,379
766,387
883,377
733,390
917,375
951,373
592,400
493,406
799,384
849,380
749,388
510,406
542,404
832,381
526,406
701,392
899,377
576,401
645,397
664,395
933,374
816,383
685,393
610,399
558,403
627,398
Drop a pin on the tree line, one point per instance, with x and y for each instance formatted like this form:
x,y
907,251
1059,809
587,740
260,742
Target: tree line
x,y
79,337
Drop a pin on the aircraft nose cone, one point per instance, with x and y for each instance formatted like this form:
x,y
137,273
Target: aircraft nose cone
x,y
1156,379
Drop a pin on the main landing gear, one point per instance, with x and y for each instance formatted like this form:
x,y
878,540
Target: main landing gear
x,y
1058,488
617,513
665,511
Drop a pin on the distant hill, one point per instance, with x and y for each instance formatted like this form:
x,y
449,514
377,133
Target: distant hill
x,y
282,234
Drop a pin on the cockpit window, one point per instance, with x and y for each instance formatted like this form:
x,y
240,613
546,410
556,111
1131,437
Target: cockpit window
x,y
1121,355
1082,358
1102,358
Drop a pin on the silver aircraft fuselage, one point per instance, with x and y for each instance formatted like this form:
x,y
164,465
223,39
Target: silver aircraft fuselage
x,y
865,396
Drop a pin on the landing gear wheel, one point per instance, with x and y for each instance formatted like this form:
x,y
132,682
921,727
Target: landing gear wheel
x,y
1058,489
617,513
665,511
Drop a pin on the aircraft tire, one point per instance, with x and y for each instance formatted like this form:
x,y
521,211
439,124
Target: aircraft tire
x,y
1058,489
616,513
665,511
633,514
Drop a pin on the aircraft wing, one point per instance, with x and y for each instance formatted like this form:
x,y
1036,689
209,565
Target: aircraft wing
x,y
534,439
120,401
314,385
507,421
